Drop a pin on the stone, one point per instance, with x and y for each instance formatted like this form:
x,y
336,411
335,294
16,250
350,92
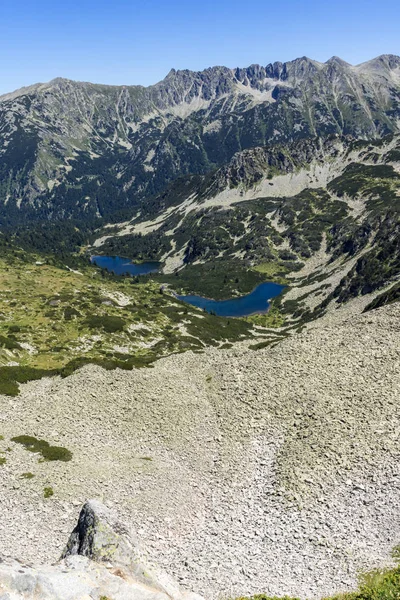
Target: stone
x,y
102,559
100,536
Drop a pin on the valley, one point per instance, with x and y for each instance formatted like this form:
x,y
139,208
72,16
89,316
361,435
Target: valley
x,y
199,325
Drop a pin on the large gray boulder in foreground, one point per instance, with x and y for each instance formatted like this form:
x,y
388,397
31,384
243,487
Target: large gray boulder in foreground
x,y
102,560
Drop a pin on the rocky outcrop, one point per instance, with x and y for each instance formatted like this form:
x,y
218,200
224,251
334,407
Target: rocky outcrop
x,y
102,561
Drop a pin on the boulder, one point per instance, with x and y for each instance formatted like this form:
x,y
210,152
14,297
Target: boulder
x,y
103,538
102,561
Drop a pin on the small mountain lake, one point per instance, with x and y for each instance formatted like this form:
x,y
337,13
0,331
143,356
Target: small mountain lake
x,y
121,266
243,306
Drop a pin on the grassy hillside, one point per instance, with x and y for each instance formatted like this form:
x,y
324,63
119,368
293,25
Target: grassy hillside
x,y
348,214
53,318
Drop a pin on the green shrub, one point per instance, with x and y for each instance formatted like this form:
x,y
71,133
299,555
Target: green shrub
x,y
48,492
10,344
110,324
376,585
41,446
70,313
11,376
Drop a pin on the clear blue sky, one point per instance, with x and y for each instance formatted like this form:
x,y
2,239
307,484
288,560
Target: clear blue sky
x,y
137,42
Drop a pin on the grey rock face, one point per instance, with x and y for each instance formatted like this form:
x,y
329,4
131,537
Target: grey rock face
x,y
99,537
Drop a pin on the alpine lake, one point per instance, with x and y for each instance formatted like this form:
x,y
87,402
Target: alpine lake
x,y
255,302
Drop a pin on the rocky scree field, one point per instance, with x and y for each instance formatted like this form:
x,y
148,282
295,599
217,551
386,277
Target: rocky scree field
x,y
243,472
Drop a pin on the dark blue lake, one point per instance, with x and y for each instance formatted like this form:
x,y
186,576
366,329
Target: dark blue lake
x,y
121,266
243,306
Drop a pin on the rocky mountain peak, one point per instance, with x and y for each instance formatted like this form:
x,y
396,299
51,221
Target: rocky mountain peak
x,y
189,123
382,63
337,61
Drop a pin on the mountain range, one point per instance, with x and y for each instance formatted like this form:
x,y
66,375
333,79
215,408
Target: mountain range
x,y
80,150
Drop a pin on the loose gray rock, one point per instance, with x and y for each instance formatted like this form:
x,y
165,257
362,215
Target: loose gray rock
x,y
273,471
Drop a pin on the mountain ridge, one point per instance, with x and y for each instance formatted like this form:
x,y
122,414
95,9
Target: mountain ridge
x,y
236,71
81,150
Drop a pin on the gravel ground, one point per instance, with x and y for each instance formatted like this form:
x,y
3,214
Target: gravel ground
x,y
243,471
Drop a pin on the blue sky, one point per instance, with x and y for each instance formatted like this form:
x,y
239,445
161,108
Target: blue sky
x,y
131,42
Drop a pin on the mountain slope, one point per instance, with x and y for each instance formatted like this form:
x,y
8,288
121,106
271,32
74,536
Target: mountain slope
x,y
83,150
269,472
323,213
55,318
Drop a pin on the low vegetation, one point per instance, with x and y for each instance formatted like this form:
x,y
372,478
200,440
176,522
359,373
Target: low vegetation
x,y
42,447
76,313
218,279
376,585
54,319
48,492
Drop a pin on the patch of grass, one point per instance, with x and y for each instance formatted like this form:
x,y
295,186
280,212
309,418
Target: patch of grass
x,y
11,376
48,492
272,318
375,585
109,323
27,475
2,460
273,271
49,453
